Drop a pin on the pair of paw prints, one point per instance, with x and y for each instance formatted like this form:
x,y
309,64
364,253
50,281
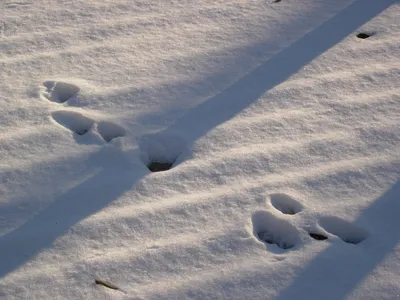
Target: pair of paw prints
x,y
159,151
80,125
63,92
275,226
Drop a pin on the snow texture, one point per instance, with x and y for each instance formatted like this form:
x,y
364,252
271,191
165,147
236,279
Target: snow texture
x,y
276,125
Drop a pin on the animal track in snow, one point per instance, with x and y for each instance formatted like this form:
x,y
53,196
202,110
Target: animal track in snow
x,y
161,152
285,204
80,125
110,131
273,230
348,232
60,92
74,121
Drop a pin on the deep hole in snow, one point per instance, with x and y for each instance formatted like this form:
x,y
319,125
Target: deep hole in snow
x,y
155,166
317,236
161,151
363,35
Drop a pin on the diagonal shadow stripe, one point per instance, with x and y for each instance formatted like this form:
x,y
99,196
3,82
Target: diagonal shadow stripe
x,y
335,272
38,233
276,70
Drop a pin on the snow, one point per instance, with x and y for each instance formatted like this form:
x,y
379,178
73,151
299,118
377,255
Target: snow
x,y
275,129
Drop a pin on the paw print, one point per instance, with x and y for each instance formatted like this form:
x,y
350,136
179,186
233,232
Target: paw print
x,y
277,227
59,91
63,93
80,125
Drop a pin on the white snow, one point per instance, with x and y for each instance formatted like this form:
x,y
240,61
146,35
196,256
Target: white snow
x,y
278,121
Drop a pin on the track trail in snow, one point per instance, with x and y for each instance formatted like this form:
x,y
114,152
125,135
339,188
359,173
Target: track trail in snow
x,y
214,150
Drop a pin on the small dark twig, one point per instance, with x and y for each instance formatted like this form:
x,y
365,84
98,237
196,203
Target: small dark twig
x,y
106,284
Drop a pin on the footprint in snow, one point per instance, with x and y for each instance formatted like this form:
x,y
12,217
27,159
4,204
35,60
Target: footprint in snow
x,y
272,229
110,131
60,92
80,125
73,121
345,230
285,204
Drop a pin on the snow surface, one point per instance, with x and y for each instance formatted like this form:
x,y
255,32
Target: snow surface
x,y
278,123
